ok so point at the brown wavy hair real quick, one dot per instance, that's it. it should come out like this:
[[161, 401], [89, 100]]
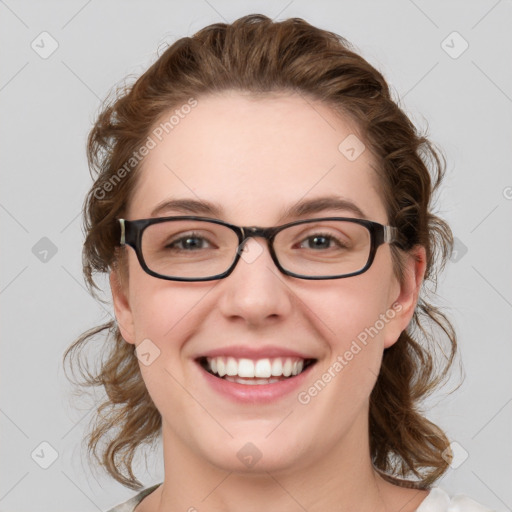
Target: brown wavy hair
[[259, 56]]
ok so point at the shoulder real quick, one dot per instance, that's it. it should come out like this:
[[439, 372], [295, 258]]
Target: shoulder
[[438, 500], [129, 506]]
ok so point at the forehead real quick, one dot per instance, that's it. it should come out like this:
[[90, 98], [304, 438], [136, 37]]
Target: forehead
[[255, 155]]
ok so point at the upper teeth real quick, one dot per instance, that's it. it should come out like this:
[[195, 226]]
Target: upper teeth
[[261, 368]]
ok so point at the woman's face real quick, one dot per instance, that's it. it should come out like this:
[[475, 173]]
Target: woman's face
[[255, 159]]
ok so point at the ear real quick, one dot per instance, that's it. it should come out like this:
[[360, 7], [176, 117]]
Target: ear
[[405, 302], [122, 307]]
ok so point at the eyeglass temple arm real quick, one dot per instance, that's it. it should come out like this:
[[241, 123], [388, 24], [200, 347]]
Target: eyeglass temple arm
[[390, 234], [123, 231]]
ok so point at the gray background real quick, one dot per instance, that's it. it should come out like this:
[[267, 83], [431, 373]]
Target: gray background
[[47, 108]]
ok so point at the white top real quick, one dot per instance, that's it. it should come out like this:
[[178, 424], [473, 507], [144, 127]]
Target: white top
[[437, 500]]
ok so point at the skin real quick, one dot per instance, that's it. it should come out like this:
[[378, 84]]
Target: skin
[[253, 156]]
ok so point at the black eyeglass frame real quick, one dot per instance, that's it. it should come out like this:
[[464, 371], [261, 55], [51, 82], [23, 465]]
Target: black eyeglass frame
[[132, 231]]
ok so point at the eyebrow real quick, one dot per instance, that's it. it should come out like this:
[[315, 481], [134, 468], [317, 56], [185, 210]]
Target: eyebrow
[[300, 209]]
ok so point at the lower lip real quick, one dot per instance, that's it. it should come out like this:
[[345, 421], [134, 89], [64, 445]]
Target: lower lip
[[258, 393]]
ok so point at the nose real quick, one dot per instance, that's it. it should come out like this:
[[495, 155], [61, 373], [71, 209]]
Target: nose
[[255, 292]]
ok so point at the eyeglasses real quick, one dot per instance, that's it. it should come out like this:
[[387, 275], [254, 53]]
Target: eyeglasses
[[189, 248]]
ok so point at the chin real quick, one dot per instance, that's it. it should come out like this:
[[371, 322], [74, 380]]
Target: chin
[[255, 454]]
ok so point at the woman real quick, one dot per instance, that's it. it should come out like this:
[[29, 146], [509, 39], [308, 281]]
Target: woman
[[262, 208]]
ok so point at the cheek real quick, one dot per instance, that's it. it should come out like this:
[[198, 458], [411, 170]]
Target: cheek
[[169, 314], [353, 316], [350, 307], [157, 306], [163, 311]]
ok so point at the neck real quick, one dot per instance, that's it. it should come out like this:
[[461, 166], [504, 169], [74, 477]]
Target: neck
[[339, 479]]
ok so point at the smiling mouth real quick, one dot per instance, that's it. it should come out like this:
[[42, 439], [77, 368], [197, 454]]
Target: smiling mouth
[[255, 372]]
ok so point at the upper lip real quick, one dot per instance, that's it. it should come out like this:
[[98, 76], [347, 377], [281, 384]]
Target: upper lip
[[255, 353]]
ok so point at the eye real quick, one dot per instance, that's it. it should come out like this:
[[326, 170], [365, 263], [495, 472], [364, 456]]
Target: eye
[[321, 241], [190, 242]]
